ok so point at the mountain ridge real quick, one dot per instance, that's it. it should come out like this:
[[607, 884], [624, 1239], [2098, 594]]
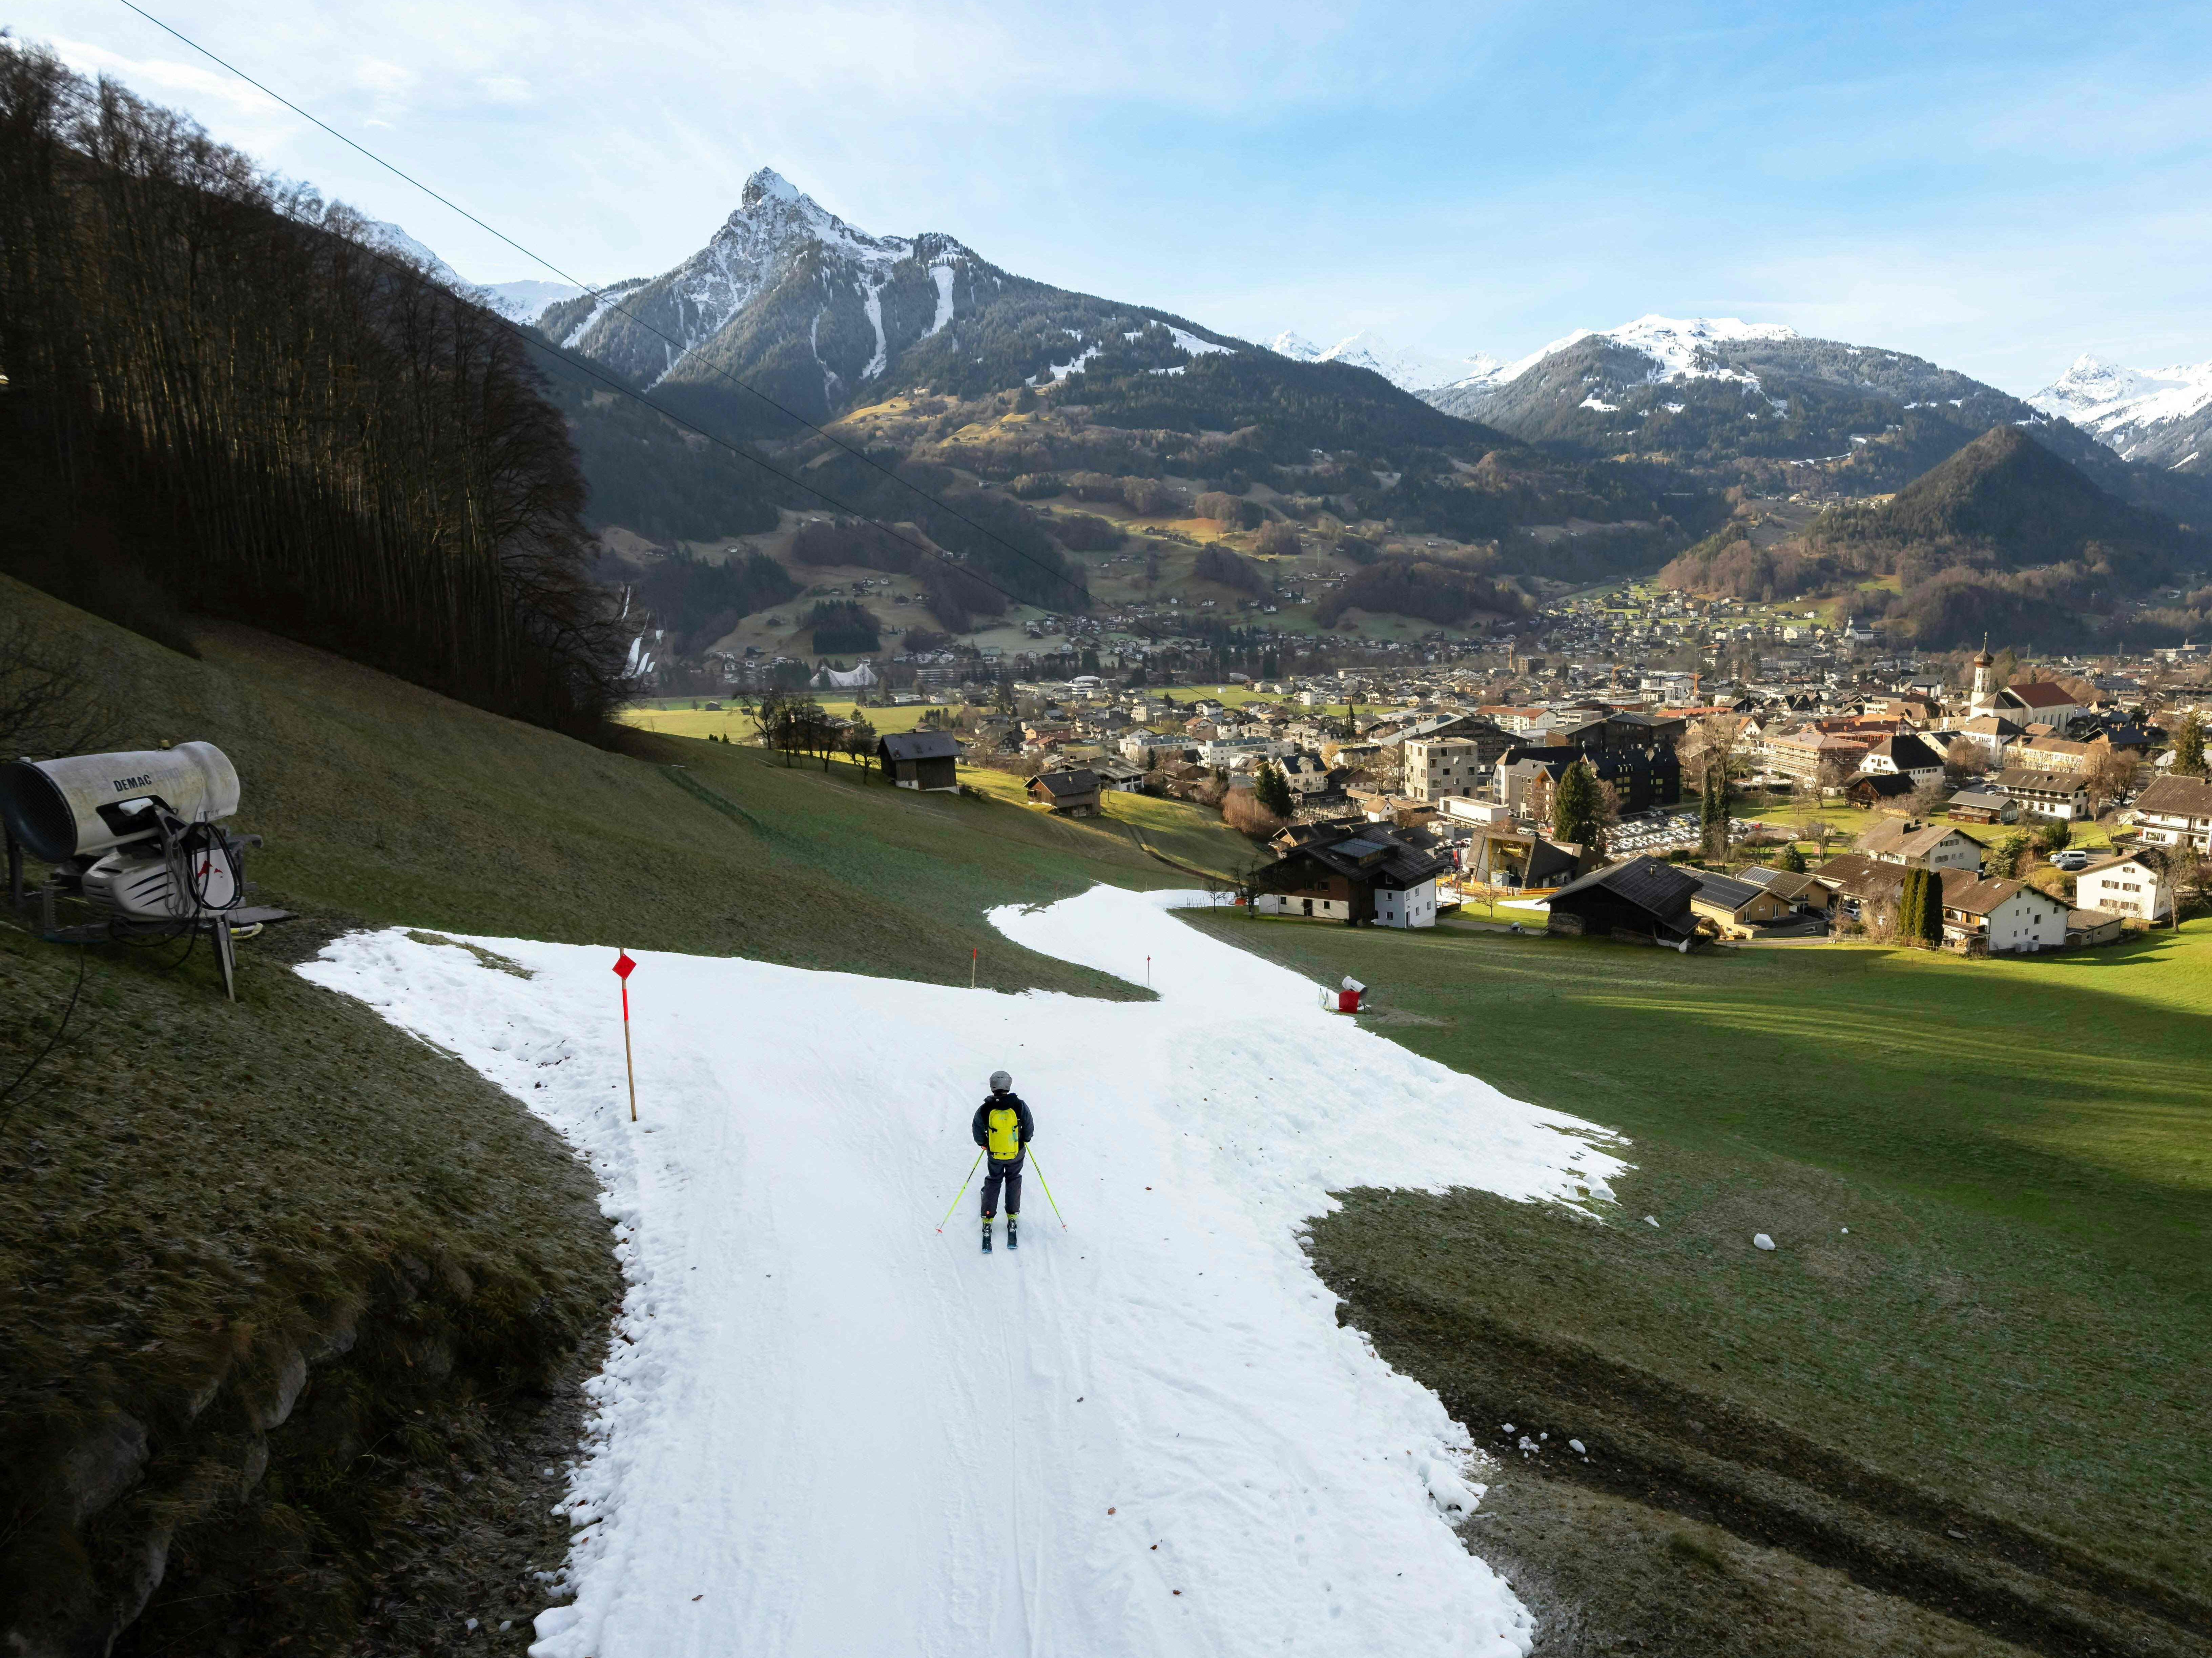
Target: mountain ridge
[[2157, 417]]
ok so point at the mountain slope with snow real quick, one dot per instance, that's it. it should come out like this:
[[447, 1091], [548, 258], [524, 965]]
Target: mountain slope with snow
[[2157, 417], [1724, 395], [828, 1427], [819, 315], [1408, 369]]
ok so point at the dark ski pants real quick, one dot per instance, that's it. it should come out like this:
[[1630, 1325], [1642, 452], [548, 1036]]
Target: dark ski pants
[[1009, 1173]]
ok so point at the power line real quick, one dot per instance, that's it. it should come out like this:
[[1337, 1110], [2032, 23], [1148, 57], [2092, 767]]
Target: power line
[[599, 294]]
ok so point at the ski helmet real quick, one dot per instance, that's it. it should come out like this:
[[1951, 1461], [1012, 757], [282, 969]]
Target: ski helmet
[[1000, 1082]]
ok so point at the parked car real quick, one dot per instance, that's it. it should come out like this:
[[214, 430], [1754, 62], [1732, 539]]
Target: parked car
[[2072, 858]]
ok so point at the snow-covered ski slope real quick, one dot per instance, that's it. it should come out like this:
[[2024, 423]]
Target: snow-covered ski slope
[[827, 1429]]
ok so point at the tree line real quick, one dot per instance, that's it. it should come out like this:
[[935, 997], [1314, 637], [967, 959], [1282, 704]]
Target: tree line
[[226, 385]]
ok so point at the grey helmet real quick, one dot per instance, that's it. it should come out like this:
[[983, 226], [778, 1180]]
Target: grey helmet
[[1000, 1082]]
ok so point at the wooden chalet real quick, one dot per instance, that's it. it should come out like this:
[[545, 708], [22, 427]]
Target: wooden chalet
[[1072, 793], [1358, 873], [920, 760]]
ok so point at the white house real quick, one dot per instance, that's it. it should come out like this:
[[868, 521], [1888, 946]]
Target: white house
[[2176, 812], [2010, 917], [1909, 841], [1903, 755], [2136, 886], [1305, 773], [1414, 906]]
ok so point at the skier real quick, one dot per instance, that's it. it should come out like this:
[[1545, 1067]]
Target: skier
[[1004, 1129]]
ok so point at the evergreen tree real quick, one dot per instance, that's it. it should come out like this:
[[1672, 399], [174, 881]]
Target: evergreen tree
[[1576, 807], [1912, 898], [1273, 789], [1791, 859], [1931, 909], [2189, 746], [2004, 859]]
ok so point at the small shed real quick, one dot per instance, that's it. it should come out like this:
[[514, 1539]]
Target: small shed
[[1073, 794], [1983, 805], [920, 760]]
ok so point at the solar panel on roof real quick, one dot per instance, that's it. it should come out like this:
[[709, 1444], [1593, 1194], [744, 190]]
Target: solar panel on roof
[[1360, 847]]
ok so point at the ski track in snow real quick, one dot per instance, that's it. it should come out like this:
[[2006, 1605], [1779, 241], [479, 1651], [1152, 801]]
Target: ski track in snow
[[832, 1430]]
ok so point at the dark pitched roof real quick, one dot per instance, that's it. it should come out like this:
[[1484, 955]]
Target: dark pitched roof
[[1374, 853], [1907, 752], [1644, 881], [2042, 694], [1726, 892], [1058, 783], [919, 745], [1882, 785]]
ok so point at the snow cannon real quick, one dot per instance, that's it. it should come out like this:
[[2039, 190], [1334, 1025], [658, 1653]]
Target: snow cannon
[[132, 832], [1348, 995], [64, 809]]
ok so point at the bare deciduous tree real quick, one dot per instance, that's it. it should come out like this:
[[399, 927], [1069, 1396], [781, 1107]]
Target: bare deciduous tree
[[51, 702]]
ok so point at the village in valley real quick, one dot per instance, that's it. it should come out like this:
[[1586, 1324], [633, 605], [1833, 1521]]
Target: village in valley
[[1636, 763]]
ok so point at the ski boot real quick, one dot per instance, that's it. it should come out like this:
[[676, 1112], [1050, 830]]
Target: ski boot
[[986, 1235], [1013, 1235]]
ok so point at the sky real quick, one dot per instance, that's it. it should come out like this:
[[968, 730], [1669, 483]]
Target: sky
[[1997, 187]]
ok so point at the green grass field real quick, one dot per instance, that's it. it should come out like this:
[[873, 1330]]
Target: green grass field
[[381, 802], [2019, 1316]]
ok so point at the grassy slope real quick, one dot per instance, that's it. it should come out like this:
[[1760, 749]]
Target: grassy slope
[[221, 1178], [385, 803], [2022, 1151]]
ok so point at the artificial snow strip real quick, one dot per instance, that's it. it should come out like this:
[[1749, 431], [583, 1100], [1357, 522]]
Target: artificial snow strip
[[831, 1430]]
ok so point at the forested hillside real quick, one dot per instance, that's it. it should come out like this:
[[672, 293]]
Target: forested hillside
[[221, 397], [2003, 538]]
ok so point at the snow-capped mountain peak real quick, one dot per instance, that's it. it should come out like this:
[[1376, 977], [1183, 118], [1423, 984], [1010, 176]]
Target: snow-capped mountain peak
[[768, 182], [2155, 415], [1674, 344], [1409, 369], [393, 239]]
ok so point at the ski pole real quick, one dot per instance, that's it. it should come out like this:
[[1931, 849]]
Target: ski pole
[[1048, 1197], [963, 1193]]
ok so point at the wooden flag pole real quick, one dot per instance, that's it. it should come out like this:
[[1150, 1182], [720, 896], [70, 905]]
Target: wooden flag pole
[[623, 968]]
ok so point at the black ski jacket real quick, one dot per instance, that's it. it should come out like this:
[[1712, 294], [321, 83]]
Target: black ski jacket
[[1026, 1126]]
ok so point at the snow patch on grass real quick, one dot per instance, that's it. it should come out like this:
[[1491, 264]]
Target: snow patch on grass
[[1027, 1427]]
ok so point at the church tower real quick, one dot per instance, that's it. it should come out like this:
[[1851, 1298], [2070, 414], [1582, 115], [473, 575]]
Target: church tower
[[1984, 699]]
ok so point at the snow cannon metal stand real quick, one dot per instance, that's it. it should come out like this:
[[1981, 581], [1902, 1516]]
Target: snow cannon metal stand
[[134, 844]]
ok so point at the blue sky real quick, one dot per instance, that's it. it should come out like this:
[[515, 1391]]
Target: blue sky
[[1996, 187]]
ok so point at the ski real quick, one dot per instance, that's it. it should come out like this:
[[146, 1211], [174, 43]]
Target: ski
[[1013, 1237]]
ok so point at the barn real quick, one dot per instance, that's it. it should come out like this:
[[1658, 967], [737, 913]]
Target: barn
[[1639, 897], [920, 760]]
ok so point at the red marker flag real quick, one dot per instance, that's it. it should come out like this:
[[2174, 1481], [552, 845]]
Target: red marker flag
[[623, 968]]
